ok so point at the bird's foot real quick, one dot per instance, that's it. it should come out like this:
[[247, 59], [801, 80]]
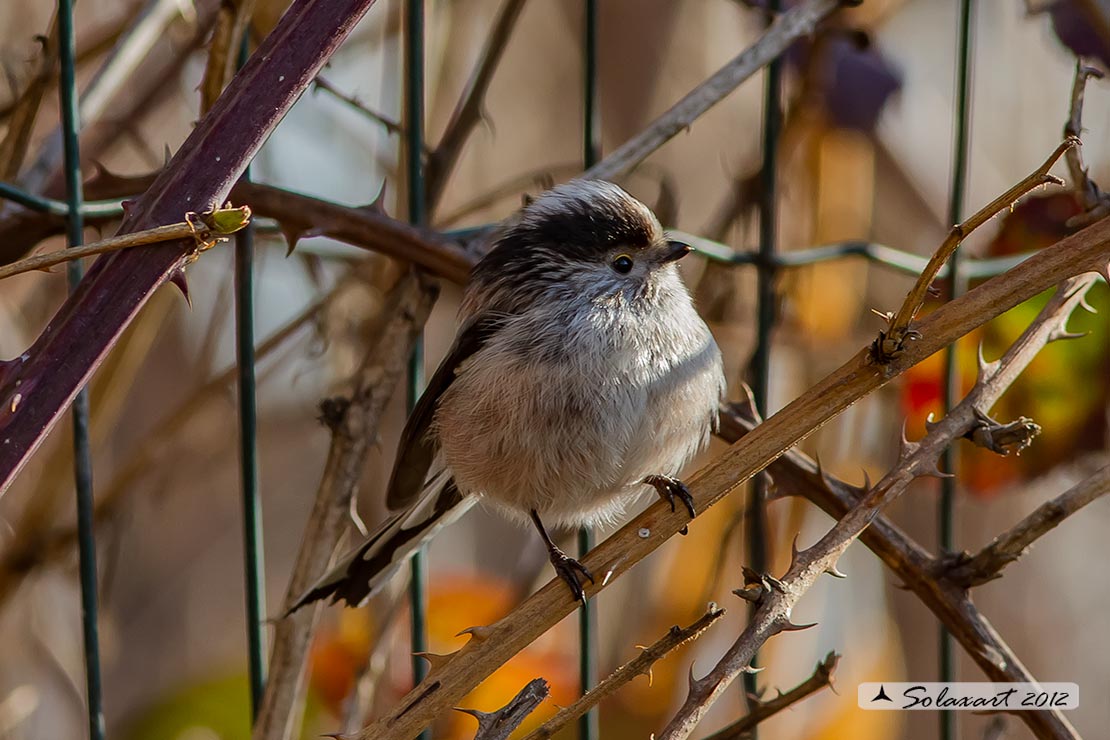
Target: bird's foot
[[569, 570], [669, 489]]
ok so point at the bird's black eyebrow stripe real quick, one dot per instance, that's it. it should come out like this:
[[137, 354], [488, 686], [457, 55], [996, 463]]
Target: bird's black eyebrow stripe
[[582, 229]]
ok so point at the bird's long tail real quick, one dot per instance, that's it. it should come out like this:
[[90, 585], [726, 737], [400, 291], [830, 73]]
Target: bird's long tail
[[363, 571]]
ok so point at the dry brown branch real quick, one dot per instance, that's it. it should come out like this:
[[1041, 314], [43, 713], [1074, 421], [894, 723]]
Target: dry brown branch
[[299, 215], [353, 423], [1086, 251], [799, 21], [500, 724], [207, 228], [367, 227], [822, 677], [641, 665], [775, 598], [987, 564], [892, 340], [468, 111], [796, 474], [231, 22], [1095, 204]]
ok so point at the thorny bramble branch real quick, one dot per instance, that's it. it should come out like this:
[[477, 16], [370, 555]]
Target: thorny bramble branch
[[638, 666], [500, 724], [892, 340], [987, 564], [764, 710]]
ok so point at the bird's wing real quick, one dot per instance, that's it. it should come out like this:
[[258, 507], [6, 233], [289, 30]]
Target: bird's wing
[[364, 570], [417, 450]]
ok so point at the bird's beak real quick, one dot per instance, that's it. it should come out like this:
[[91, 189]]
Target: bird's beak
[[676, 251]]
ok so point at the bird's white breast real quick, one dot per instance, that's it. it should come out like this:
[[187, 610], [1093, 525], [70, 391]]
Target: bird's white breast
[[570, 406]]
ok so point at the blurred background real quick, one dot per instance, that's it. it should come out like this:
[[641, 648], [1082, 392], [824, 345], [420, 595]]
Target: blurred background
[[865, 154]]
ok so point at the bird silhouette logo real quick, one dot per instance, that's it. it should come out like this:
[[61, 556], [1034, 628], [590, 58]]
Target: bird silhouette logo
[[881, 696]]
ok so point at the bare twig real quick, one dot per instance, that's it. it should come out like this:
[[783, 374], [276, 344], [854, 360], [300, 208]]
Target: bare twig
[[14, 146], [987, 564], [353, 423], [133, 53], [638, 666], [468, 111], [389, 124], [206, 228], [1086, 251], [231, 22], [892, 340], [822, 677], [799, 21], [1094, 202], [500, 724], [541, 178]]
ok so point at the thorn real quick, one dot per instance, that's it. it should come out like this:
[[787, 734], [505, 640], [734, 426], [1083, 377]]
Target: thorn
[[907, 448], [1087, 306], [102, 175], [791, 627], [178, 279], [1062, 333], [167, 155], [693, 682], [930, 425], [292, 236], [931, 470], [435, 661], [832, 571], [866, 481], [794, 549], [475, 713], [477, 634], [986, 370], [378, 204], [826, 479], [752, 669]]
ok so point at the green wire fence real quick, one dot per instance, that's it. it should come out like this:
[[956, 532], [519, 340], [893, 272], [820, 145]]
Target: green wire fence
[[768, 263]]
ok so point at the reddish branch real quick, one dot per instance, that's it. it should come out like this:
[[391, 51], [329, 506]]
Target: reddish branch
[[198, 178]]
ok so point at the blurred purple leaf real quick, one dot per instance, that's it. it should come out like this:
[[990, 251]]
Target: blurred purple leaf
[[1076, 31]]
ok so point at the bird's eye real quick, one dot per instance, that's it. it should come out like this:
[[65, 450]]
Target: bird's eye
[[622, 264]]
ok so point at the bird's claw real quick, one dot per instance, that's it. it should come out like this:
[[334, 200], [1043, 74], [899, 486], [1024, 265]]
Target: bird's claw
[[669, 489], [569, 569]]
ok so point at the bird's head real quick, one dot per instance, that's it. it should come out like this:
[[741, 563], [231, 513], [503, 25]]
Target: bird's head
[[587, 236]]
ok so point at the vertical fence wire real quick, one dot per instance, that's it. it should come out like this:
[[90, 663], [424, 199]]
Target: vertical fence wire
[[589, 724], [414, 117], [957, 284], [253, 551], [767, 270], [82, 456]]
